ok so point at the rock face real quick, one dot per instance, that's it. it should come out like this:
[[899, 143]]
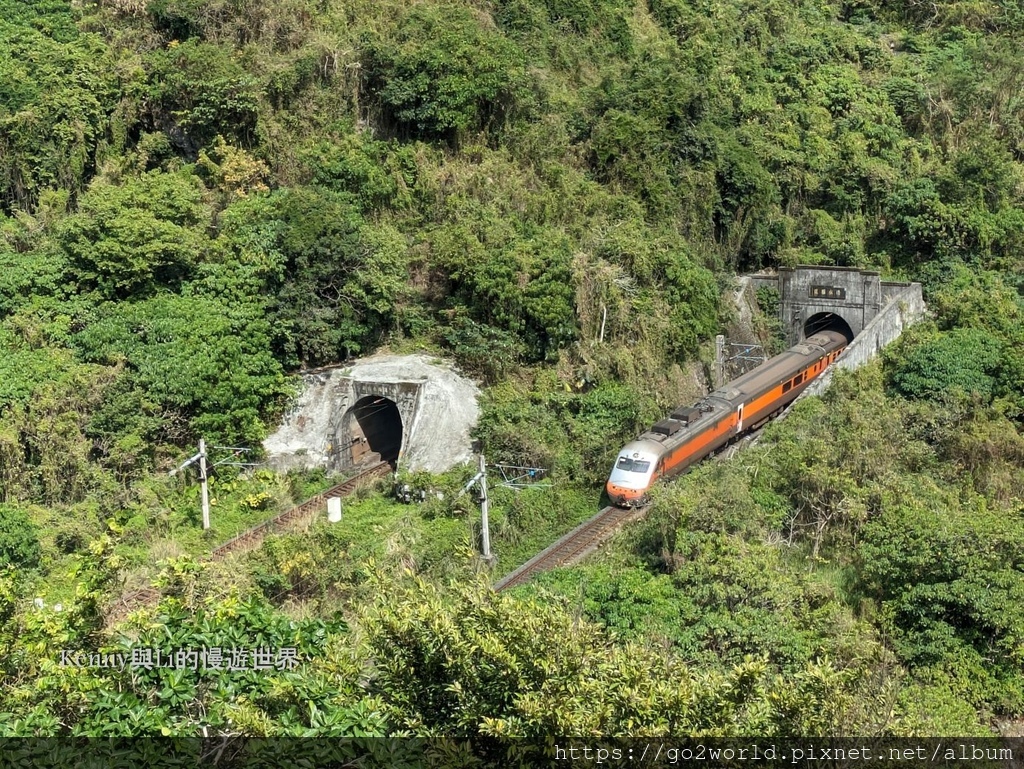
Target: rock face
[[407, 408]]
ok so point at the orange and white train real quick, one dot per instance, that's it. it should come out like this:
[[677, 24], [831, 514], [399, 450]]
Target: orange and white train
[[692, 432]]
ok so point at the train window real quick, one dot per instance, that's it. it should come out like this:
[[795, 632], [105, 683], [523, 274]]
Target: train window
[[787, 386], [798, 379], [633, 465]]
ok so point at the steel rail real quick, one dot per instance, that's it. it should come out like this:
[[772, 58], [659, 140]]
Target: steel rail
[[254, 536], [592, 533], [574, 546], [149, 596]]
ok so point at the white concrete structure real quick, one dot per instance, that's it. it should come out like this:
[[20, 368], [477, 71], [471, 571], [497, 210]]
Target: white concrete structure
[[412, 406], [904, 308]]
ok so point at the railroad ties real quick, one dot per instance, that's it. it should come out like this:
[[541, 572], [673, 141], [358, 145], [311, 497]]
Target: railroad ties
[[574, 546], [252, 538], [589, 535], [248, 540]]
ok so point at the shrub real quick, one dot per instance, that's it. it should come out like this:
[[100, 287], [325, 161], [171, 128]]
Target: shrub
[[445, 73], [19, 543], [958, 363]]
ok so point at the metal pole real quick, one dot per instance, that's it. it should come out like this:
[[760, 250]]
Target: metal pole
[[202, 480], [719, 361], [485, 524]]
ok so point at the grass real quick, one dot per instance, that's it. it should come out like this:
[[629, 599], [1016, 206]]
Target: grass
[[163, 521], [527, 521]]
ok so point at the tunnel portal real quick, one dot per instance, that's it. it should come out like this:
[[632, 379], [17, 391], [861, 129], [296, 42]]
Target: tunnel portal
[[374, 429], [842, 299], [413, 410], [828, 321]]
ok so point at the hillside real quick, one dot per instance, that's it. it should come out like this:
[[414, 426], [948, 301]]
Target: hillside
[[200, 197]]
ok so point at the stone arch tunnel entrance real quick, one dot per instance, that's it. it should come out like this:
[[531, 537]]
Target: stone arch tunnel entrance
[[828, 321], [374, 428]]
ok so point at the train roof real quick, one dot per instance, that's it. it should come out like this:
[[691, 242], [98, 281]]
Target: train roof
[[776, 369], [683, 419], [643, 444]]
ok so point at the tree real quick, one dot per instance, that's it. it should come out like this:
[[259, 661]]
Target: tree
[[951, 590], [334, 279], [129, 240], [201, 358], [19, 541], [954, 365], [468, 662], [444, 74], [59, 102], [200, 92]]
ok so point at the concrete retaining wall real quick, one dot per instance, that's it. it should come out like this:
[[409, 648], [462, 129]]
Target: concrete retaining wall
[[763, 281], [905, 308]]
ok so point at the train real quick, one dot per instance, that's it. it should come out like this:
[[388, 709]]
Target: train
[[691, 433]]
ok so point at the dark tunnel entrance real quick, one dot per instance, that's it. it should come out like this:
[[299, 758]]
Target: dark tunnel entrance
[[827, 321], [375, 429]]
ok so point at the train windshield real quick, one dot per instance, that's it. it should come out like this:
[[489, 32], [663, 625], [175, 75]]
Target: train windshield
[[633, 465]]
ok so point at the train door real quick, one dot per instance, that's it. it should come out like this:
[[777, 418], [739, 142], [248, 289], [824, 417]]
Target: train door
[[739, 419]]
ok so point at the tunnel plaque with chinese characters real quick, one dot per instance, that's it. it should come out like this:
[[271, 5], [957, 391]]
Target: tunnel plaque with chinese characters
[[826, 292]]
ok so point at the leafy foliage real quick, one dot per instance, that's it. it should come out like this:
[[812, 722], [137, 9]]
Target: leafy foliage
[[950, 585], [958, 363], [19, 542], [60, 102], [126, 241], [479, 664], [196, 355], [203, 92], [335, 278], [444, 73]]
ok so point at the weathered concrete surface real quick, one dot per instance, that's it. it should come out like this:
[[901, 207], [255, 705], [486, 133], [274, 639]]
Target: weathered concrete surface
[[805, 292], [864, 296], [438, 409], [904, 308]]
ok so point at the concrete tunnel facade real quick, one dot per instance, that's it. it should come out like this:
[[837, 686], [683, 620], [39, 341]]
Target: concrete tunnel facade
[[409, 410]]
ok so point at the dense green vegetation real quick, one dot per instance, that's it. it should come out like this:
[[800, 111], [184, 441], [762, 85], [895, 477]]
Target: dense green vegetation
[[199, 198]]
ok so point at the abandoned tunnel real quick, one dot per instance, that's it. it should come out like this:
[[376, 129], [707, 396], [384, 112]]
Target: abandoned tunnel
[[374, 428]]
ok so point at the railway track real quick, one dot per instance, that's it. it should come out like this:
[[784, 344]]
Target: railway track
[[566, 551], [589, 535], [252, 538], [574, 546], [149, 596]]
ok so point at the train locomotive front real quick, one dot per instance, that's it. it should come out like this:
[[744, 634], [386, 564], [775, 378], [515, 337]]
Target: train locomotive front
[[693, 432], [636, 469]]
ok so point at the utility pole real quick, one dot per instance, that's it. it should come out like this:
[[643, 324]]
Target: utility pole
[[201, 459], [481, 480], [202, 482], [719, 361], [484, 523]]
